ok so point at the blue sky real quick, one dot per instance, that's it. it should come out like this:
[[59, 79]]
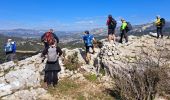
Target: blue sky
[[72, 15]]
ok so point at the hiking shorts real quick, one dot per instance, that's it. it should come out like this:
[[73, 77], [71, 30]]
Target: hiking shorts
[[111, 31], [88, 48]]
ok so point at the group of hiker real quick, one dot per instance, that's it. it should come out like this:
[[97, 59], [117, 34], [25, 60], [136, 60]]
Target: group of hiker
[[52, 51]]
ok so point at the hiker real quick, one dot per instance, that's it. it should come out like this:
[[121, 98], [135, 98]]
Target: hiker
[[88, 41], [49, 37], [160, 22], [52, 67], [10, 50], [123, 30], [111, 23]]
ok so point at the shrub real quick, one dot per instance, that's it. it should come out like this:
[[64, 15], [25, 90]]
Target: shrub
[[147, 77], [71, 62]]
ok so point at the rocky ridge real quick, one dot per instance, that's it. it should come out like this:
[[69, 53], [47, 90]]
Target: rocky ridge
[[25, 77]]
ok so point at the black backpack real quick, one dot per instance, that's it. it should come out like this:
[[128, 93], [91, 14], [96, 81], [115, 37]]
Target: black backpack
[[128, 27], [163, 22], [112, 24]]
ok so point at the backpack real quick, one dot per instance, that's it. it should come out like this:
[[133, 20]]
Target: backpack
[[163, 22], [52, 55], [49, 38], [128, 27], [88, 40], [112, 24], [8, 47]]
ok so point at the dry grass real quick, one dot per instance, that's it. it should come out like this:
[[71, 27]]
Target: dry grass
[[148, 77], [76, 90]]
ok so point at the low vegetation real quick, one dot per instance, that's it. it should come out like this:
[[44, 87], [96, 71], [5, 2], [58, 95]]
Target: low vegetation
[[148, 77], [71, 62], [91, 77]]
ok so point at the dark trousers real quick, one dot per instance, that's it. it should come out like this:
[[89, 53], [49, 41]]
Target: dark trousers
[[10, 57], [159, 32], [51, 77], [123, 35]]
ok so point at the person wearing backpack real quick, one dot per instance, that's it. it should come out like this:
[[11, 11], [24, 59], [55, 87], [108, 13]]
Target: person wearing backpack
[[10, 50], [49, 37], [123, 30], [111, 23], [52, 67], [88, 41], [160, 23]]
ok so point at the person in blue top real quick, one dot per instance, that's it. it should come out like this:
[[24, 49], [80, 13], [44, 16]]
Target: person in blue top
[[10, 50], [88, 41]]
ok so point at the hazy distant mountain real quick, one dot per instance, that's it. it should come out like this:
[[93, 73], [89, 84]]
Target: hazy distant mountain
[[68, 36]]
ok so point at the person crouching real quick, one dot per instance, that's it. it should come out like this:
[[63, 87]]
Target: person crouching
[[52, 67]]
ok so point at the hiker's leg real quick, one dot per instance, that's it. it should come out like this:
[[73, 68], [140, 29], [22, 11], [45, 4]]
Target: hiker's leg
[[55, 78], [110, 36], [88, 57], [45, 80], [113, 35], [126, 36], [10, 57], [93, 49], [161, 32], [157, 30], [121, 37], [49, 77], [87, 54]]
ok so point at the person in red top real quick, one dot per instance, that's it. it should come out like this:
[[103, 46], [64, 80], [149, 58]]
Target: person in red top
[[111, 23]]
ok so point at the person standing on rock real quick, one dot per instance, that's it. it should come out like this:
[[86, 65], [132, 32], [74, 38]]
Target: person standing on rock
[[10, 50], [123, 30], [52, 67], [49, 37], [111, 23], [160, 23], [88, 41]]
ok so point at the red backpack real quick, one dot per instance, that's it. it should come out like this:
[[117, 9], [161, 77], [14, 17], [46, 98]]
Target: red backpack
[[49, 38]]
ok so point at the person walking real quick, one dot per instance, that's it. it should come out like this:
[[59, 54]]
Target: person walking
[[52, 67], [160, 22], [49, 37], [88, 41], [123, 30], [111, 23], [10, 50]]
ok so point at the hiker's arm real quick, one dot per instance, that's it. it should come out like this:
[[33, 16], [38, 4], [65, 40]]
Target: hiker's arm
[[95, 41], [45, 51], [57, 39], [107, 23], [59, 51], [42, 37]]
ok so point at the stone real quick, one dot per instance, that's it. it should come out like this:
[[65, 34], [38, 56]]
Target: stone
[[5, 89]]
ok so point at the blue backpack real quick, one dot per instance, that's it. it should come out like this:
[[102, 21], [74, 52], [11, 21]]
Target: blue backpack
[[10, 47], [88, 39]]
